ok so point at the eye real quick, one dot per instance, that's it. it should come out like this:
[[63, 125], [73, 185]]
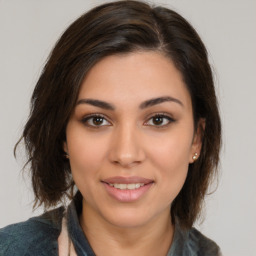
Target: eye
[[160, 120], [95, 121]]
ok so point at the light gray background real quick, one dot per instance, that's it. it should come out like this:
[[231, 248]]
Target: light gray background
[[28, 30]]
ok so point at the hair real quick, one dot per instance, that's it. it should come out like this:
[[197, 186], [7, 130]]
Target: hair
[[119, 27]]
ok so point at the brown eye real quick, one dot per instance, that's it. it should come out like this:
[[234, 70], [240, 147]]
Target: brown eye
[[95, 121], [159, 120]]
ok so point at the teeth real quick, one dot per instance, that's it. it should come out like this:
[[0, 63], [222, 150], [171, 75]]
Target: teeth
[[127, 186]]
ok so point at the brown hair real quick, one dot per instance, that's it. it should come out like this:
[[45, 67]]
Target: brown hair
[[115, 28]]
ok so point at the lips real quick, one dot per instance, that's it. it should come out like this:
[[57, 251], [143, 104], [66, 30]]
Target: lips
[[127, 180], [127, 189]]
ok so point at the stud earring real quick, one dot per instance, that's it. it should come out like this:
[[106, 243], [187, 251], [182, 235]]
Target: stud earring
[[195, 156], [67, 155]]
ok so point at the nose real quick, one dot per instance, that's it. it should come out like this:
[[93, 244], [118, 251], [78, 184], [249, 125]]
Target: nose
[[127, 147]]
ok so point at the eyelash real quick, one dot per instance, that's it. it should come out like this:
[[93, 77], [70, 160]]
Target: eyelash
[[86, 120], [163, 116]]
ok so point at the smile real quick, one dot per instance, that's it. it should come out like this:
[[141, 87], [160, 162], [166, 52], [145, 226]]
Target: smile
[[127, 186], [127, 189]]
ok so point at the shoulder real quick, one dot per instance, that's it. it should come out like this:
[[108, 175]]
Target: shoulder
[[36, 236], [192, 243], [201, 244]]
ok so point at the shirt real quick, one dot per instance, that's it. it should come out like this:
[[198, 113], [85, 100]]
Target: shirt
[[38, 236]]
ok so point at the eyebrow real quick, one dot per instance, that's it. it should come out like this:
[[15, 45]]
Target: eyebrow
[[155, 101], [143, 105], [96, 103]]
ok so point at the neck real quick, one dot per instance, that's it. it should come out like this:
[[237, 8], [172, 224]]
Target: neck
[[151, 238]]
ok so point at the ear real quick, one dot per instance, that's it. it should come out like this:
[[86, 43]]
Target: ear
[[65, 147], [197, 141]]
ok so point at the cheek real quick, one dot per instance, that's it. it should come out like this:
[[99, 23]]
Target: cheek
[[173, 166], [171, 160], [171, 151], [86, 153], [86, 159]]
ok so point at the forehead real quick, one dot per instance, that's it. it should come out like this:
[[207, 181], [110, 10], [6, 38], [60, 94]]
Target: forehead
[[134, 77]]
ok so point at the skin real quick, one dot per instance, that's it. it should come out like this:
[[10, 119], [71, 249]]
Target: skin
[[130, 141]]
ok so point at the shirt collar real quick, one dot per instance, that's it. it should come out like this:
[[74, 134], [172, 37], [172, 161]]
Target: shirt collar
[[83, 247]]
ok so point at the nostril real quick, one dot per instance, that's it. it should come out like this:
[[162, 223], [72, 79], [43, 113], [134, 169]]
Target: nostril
[[126, 164]]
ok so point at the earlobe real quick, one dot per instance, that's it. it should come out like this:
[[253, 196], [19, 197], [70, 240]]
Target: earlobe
[[65, 148], [197, 141], [195, 156]]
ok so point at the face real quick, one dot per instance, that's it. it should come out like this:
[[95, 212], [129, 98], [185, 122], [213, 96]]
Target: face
[[131, 138]]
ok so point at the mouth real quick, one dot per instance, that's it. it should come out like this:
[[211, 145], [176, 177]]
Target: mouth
[[127, 189], [126, 186]]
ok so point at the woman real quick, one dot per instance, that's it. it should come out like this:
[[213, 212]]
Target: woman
[[124, 121]]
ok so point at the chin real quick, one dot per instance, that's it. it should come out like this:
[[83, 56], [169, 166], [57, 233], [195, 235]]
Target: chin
[[128, 218], [127, 221]]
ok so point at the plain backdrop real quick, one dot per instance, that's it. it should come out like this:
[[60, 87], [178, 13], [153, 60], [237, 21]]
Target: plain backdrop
[[29, 29]]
